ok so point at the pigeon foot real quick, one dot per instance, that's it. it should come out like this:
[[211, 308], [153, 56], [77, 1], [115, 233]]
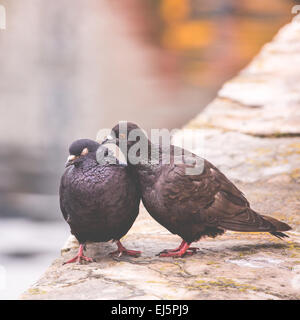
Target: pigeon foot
[[79, 257], [181, 251], [123, 251]]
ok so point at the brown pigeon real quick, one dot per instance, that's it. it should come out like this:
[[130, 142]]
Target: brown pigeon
[[191, 206]]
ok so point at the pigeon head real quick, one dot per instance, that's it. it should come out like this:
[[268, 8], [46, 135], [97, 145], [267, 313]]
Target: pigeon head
[[127, 132], [79, 149], [123, 129]]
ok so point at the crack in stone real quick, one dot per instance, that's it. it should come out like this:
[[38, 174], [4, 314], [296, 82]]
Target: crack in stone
[[135, 292]]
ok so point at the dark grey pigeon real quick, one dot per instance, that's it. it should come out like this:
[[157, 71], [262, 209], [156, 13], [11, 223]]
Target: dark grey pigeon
[[191, 206], [99, 201]]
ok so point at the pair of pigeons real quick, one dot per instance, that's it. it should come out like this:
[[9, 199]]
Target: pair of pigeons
[[100, 200]]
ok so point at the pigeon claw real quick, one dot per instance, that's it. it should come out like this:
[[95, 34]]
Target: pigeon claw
[[179, 252], [123, 251], [79, 257], [173, 254], [126, 252]]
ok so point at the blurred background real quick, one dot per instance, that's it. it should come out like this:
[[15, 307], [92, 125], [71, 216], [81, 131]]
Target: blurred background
[[71, 67]]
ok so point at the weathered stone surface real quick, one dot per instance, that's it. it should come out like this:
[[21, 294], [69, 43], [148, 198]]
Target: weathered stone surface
[[264, 98], [236, 266]]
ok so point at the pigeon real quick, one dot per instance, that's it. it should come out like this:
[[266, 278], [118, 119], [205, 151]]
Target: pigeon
[[189, 205], [99, 200]]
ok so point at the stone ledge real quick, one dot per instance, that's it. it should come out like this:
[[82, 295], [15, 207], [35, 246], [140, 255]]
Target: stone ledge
[[234, 266]]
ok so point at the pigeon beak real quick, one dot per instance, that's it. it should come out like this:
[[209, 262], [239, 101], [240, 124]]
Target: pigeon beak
[[107, 138], [123, 164], [70, 160]]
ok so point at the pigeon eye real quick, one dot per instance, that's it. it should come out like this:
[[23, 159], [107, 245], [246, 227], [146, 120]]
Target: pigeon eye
[[84, 151]]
